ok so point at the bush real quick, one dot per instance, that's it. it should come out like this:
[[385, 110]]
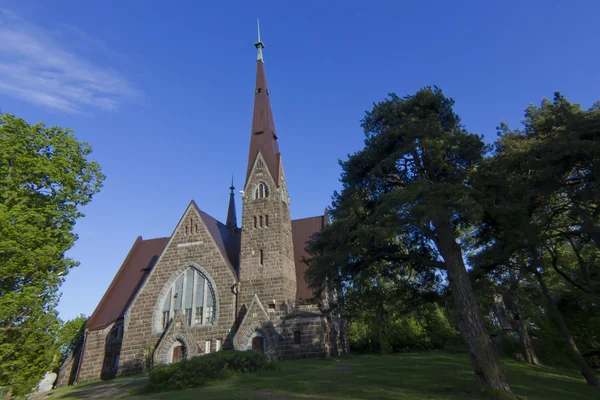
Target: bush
[[198, 371], [426, 327]]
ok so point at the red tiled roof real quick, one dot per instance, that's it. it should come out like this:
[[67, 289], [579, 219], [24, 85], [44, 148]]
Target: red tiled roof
[[302, 231], [125, 284]]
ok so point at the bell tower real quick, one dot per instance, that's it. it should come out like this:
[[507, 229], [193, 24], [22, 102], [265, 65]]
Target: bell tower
[[266, 256]]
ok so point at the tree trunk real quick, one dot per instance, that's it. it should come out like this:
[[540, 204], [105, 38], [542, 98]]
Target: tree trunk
[[516, 310], [587, 372], [528, 350], [484, 359]]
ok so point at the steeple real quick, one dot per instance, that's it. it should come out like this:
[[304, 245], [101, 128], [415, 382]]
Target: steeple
[[262, 137], [231, 218]]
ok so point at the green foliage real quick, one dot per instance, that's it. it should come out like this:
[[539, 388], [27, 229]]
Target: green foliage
[[70, 337], [406, 201], [424, 327], [198, 371], [45, 177]]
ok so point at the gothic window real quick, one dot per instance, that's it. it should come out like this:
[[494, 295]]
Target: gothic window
[[266, 220], [261, 257], [261, 221], [255, 223], [260, 165], [192, 296], [261, 191]]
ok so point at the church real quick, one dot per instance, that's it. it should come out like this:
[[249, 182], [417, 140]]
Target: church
[[212, 286]]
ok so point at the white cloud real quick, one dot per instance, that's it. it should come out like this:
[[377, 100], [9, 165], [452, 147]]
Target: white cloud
[[36, 67]]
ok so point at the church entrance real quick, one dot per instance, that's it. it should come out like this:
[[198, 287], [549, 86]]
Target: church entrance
[[178, 353], [258, 344]]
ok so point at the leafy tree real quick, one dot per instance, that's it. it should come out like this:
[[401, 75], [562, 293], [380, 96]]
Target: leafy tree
[[45, 177], [405, 202], [70, 337]]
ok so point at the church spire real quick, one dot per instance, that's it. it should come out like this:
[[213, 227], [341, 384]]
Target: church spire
[[262, 137], [231, 217]]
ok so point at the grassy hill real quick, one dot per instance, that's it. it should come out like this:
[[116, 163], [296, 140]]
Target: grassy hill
[[435, 375]]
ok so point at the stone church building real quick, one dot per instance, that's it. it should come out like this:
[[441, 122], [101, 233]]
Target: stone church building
[[212, 286]]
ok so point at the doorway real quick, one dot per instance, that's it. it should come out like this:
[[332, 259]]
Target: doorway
[[178, 353], [258, 344]]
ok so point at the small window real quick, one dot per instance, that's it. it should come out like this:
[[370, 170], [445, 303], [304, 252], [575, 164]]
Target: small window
[[188, 316], [261, 191], [255, 223], [207, 347], [217, 345], [259, 90], [262, 257], [271, 306], [186, 230], [165, 319], [266, 220], [198, 319], [297, 337], [261, 220]]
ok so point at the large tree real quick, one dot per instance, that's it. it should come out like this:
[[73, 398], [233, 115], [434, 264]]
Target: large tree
[[541, 190], [45, 178], [406, 200]]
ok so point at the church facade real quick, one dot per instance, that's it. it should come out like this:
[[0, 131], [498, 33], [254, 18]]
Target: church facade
[[212, 286]]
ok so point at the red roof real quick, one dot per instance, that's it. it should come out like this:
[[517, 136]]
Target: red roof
[[125, 284], [302, 231]]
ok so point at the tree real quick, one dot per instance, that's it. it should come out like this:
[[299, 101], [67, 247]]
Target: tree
[[45, 178], [541, 188], [70, 337], [406, 200]]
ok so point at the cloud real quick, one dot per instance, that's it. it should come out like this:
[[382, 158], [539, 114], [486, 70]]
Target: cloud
[[38, 68]]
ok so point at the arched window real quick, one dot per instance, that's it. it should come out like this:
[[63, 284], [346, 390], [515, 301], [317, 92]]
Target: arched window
[[261, 191], [191, 295]]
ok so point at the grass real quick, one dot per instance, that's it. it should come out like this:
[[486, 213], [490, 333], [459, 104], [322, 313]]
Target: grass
[[434, 375]]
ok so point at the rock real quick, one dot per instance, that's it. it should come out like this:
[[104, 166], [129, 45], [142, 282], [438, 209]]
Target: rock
[[47, 382]]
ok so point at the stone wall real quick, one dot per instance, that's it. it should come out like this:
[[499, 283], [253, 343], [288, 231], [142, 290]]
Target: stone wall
[[313, 334], [194, 248], [68, 371], [94, 352]]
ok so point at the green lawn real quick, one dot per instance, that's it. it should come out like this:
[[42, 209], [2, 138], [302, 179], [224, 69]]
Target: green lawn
[[435, 375]]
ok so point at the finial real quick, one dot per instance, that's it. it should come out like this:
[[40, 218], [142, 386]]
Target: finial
[[231, 187], [259, 45]]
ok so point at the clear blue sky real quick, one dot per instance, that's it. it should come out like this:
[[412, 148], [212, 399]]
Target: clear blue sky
[[163, 91]]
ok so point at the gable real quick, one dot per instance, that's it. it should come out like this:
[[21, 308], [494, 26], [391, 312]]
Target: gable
[[124, 286], [226, 238]]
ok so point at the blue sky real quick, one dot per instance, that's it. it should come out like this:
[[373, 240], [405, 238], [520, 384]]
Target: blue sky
[[163, 92]]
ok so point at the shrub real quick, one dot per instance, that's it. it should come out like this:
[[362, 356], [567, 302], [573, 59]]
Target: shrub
[[198, 371]]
